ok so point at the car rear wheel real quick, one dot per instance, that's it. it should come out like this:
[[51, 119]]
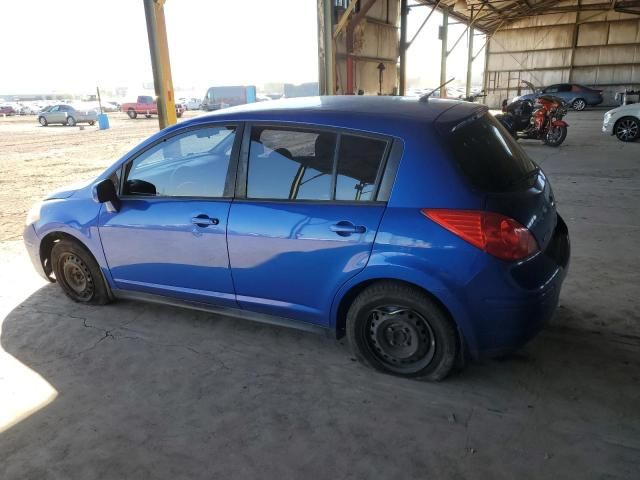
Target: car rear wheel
[[43, 121], [71, 121], [399, 329], [132, 113], [78, 273], [92, 123], [579, 104], [627, 129]]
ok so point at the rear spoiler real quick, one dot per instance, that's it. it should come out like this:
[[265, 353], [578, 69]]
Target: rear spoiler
[[459, 115]]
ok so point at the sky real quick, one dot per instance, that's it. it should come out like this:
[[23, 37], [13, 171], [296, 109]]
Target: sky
[[74, 45]]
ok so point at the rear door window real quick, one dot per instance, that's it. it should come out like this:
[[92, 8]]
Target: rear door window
[[290, 164], [359, 161], [488, 156], [301, 164]]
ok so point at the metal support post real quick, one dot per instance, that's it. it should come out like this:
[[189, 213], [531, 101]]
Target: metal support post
[[325, 48], [404, 11], [444, 52], [469, 62], [159, 49]]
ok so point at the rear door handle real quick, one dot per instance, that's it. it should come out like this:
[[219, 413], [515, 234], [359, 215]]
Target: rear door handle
[[345, 228], [203, 220]]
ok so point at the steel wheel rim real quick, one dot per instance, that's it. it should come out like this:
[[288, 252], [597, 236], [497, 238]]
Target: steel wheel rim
[[627, 129], [77, 277], [400, 338]]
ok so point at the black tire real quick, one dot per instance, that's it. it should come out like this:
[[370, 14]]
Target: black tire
[[78, 274], [627, 129], [178, 114], [92, 123], [579, 104], [147, 116], [132, 113], [400, 330], [71, 121], [43, 121], [555, 136]]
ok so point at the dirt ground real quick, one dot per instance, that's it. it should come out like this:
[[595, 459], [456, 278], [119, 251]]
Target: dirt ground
[[36, 160], [133, 390]]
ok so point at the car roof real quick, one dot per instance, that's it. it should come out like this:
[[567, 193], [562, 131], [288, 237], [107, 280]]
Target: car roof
[[355, 111]]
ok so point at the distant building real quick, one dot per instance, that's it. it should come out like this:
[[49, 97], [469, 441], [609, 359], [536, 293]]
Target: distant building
[[309, 89]]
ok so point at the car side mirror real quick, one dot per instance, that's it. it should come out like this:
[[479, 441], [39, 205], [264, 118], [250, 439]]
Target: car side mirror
[[105, 192]]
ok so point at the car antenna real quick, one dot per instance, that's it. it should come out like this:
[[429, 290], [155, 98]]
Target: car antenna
[[425, 98]]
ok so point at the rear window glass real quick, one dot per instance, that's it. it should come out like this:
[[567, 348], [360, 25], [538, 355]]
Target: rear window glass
[[359, 160], [489, 157]]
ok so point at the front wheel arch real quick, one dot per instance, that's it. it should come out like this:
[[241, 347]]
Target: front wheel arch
[[46, 246], [626, 117]]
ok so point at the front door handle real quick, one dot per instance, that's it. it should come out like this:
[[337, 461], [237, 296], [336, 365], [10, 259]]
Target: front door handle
[[345, 228], [203, 220]]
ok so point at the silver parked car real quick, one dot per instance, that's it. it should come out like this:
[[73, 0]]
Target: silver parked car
[[66, 115]]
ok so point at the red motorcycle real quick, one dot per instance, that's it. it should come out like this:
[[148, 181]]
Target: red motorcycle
[[540, 121]]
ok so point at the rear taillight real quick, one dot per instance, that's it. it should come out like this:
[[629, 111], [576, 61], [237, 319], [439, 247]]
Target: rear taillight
[[496, 234]]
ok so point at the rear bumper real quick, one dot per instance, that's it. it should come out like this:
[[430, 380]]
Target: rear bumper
[[524, 302], [514, 322]]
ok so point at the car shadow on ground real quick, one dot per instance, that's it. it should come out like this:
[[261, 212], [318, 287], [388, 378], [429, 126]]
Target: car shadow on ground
[[147, 391]]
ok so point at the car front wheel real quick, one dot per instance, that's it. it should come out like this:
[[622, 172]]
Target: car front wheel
[[627, 129], [398, 329], [78, 273], [43, 121]]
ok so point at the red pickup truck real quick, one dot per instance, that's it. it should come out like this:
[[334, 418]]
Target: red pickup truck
[[146, 105]]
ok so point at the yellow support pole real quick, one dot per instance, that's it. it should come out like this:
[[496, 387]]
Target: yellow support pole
[[160, 64]]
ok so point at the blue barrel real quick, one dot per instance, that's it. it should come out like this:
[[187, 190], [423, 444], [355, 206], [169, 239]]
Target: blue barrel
[[103, 121], [250, 94]]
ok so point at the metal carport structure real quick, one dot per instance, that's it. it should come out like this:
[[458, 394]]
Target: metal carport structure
[[591, 42]]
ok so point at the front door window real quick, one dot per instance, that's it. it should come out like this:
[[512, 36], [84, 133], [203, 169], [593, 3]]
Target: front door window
[[193, 164]]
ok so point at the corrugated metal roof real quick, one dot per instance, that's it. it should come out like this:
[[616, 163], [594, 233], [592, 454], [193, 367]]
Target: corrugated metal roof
[[489, 15]]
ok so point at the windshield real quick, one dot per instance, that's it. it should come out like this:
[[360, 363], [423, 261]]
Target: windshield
[[488, 156]]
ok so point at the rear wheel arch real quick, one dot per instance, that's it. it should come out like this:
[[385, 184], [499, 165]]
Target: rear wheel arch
[[579, 104], [430, 355], [351, 294]]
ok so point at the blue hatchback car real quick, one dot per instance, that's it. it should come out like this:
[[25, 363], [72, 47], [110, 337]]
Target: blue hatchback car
[[421, 230]]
